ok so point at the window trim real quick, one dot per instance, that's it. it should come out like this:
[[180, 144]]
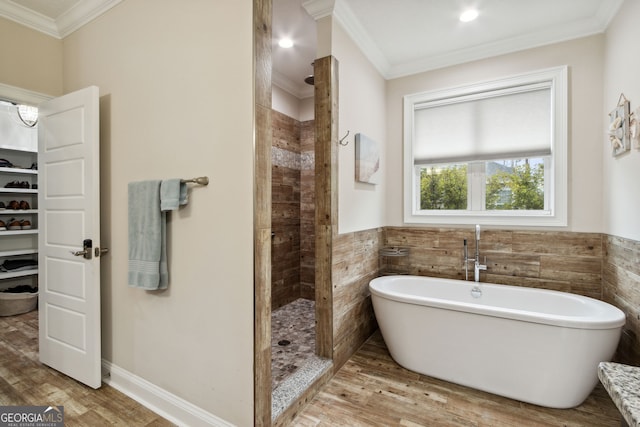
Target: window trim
[[558, 185]]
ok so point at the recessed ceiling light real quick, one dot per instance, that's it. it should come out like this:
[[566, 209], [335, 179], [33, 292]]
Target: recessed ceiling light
[[285, 43], [469, 15]]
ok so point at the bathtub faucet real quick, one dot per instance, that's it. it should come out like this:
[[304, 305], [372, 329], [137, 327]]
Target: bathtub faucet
[[476, 270], [477, 267]]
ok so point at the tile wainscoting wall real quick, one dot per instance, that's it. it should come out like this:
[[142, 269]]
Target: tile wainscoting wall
[[354, 264], [561, 261], [292, 215], [621, 287], [590, 264]]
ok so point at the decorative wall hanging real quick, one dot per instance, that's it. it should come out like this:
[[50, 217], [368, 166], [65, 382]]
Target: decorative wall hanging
[[367, 160], [619, 127], [634, 128]]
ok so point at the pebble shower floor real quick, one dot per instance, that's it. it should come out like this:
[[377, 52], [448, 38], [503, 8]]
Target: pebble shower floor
[[293, 338]]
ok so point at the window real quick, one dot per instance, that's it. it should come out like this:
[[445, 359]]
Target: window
[[492, 152]]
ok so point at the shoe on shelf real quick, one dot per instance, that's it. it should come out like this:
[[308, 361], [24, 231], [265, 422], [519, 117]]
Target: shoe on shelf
[[14, 224], [2, 206], [15, 205], [12, 184], [4, 163], [25, 184], [24, 205], [3, 226], [25, 224]]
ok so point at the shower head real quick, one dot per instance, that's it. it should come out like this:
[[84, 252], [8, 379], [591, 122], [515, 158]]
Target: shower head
[[309, 79]]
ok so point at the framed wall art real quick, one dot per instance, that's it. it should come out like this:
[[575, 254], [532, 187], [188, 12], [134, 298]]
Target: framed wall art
[[619, 127], [367, 160]]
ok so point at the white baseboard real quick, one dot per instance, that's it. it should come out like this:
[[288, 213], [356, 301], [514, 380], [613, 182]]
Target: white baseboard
[[160, 401]]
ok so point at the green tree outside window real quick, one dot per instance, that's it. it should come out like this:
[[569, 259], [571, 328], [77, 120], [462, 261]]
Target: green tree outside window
[[510, 185], [516, 188], [444, 188]]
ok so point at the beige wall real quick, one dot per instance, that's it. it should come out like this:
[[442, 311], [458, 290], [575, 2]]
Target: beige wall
[[584, 58], [362, 110], [30, 59], [175, 82], [621, 174], [284, 102]]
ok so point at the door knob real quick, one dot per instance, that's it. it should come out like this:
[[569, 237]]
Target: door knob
[[83, 253], [86, 251], [100, 251]]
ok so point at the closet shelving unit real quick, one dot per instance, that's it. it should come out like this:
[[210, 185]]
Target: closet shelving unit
[[18, 244]]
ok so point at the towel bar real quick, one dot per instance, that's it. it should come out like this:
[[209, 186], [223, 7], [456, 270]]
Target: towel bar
[[201, 180]]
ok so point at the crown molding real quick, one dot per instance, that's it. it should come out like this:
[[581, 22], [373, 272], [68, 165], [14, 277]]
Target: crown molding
[[28, 18], [82, 13], [348, 20], [546, 36], [319, 8], [22, 96], [606, 14], [352, 26]]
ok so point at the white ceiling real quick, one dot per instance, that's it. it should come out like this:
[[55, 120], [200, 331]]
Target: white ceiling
[[400, 37], [403, 37]]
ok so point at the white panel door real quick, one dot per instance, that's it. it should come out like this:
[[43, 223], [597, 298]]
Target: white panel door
[[68, 215]]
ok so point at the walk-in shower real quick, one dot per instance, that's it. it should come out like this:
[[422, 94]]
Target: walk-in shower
[[292, 245]]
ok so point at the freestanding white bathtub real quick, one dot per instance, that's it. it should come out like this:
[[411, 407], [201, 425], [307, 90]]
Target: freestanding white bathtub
[[533, 345]]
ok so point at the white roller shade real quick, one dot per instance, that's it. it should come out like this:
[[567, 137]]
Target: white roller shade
[[502, 124]]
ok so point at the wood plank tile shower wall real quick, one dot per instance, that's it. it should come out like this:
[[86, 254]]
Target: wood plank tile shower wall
[[292, 219]]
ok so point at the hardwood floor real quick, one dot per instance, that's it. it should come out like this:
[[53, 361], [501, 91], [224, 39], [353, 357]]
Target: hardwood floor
[[369, 390], [25, 381], [372, 390]]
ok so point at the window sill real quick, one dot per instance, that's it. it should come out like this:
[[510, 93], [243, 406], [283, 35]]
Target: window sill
[[526, 218]]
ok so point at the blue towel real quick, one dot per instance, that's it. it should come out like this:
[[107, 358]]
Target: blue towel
[[147, 237], [173, 194], [148, 203]]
